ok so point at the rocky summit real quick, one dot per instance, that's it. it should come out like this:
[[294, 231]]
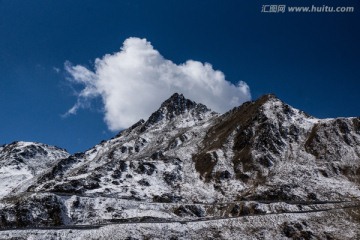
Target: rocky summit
[[263, 170]]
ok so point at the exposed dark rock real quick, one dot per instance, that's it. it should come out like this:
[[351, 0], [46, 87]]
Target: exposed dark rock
[[278, 193], [312, 196], [296, 231], [123, 149], [205, 163], [157, 155], [145, 168], [116, 174], [172, 178], [235, 211], [167, 198], [144, 182], [45, 210], [190, 210]]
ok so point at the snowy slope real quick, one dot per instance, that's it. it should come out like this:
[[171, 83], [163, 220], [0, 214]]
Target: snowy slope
[[263, 150], [187, 163], [21, 162], [151, 161]]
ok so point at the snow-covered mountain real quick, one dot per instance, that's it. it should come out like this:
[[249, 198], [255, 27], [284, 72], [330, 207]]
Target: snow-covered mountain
[[22, 162], [190, 166]]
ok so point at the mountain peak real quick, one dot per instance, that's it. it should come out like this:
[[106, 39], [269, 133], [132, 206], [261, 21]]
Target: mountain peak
[[188, 164], [176, 96], [25, 148], [174, 106], [267, 98], [178, 104], [270, 105]]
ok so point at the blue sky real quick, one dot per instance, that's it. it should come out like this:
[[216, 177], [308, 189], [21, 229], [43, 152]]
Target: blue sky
[[309, 60]]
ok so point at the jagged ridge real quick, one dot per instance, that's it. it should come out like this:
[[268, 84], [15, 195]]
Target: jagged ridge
[[184, 154]]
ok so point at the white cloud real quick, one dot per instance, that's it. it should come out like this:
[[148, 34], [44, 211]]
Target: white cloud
[[136, 80], [57, 70]]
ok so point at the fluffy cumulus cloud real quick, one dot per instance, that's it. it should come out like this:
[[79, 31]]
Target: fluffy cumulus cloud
[[136, 80]]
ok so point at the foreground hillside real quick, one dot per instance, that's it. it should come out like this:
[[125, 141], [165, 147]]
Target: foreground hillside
[[263, 170]]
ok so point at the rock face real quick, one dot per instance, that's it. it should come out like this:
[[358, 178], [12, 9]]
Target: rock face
[[263, 161]]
